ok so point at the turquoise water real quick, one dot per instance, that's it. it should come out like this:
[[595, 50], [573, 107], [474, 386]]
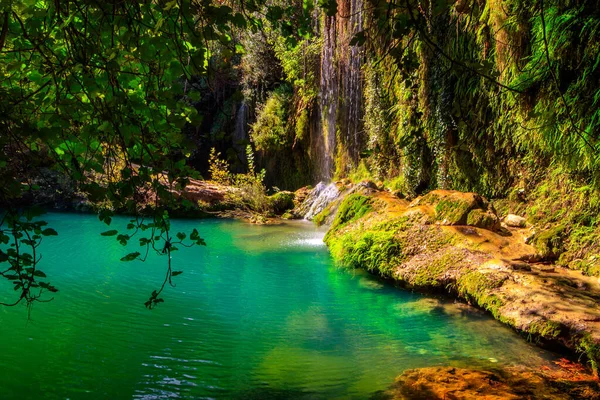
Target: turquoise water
[[259, 313]]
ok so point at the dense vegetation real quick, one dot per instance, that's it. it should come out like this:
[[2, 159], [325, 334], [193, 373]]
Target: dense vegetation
[[120, 103]]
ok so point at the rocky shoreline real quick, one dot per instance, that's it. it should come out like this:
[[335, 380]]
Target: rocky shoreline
[[454, 243]]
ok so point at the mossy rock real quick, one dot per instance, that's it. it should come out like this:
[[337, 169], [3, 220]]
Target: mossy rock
[[591, 348], [288, 215], [483, 219], [324, 215], [353, 207], [476, 287], [453, 208], [549, 243], [281, 202], [587, 267], [546, 329]]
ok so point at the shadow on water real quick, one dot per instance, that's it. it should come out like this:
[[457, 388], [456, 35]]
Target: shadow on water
[[267, 393]]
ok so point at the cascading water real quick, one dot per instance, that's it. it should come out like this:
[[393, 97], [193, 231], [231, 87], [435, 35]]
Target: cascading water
[[329, 97], [319, 198], [340, 97], [353, 89], [240, 134]]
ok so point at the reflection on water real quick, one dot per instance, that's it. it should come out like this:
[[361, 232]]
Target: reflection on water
[[259, 313]]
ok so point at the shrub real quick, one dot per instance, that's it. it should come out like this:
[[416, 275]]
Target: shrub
[[269, 132]]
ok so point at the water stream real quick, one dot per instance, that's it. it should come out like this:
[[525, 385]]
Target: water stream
[[259, 313]]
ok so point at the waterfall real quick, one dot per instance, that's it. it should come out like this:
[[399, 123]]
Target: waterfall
[[328, 98], [353, 89], [340, 97], [319, 198], [240, 133]]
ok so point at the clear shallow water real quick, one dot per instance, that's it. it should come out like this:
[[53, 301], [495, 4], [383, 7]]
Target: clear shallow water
[[259, 313]]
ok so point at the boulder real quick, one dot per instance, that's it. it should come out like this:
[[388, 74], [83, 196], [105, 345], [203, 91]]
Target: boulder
[[282, 201], [457, 208], [515, 221], [483, 219]]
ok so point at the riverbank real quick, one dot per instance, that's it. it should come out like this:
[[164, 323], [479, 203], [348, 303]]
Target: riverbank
[[453, 243]]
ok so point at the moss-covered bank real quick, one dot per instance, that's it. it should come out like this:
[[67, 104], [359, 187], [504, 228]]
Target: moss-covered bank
[[435, 244]]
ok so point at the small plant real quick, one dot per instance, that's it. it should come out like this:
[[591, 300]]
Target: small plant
[[218, 168], [251, 192]]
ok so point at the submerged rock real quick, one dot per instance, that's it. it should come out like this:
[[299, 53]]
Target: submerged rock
[[439, 383]]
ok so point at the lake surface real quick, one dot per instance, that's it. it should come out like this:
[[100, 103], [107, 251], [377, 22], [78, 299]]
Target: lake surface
[[259, 313]]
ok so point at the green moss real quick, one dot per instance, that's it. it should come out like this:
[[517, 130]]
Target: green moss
[[287, 215], [321, 217], [549, 243], [453, 211], [378, 252], [360, 173], [432, 273], [546, 329], [352, 208], [476, 287], [482, 219], [588, 346], [396, 184], [281, 202], [302, 126], [587, 267]]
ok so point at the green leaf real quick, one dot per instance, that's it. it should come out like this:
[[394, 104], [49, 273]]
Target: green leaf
[[123, 239], [112, 232], [39, 274], [181, 235], [131, 256], [175, 273], [33, 212], [49, 232], [105, 215]]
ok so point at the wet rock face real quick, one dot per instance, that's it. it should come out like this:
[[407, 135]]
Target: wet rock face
[[317, 200]]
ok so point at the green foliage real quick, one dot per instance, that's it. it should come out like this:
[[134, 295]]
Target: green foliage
[[591, 349], [281, 202], [20, 236], [99, 92], [270, 131], [375, 251], [250, 192], [549, 243], [218, 168], [360, 173], [301, 67], [302, 126], [515, 87]]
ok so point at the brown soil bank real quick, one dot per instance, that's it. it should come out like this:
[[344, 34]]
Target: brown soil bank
[[452, 242]]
